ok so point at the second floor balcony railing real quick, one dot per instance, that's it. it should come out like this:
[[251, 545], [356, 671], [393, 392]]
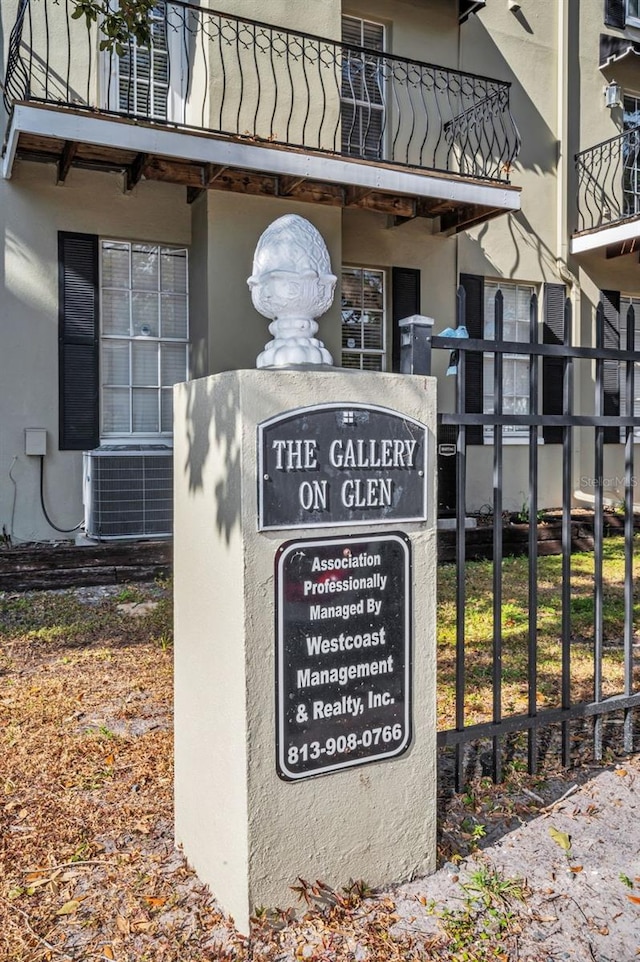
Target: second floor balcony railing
[[245, 79], [608, 177]]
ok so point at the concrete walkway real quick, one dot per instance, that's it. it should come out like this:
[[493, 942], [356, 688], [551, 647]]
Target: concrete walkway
[[584, 900]]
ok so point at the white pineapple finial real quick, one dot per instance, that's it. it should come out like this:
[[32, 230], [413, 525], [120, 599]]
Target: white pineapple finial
[[292, 284]]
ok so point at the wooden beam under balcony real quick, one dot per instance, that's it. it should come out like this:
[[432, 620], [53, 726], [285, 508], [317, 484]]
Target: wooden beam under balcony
[[153, 152], [287, 185], [210, 173], [629, 246], [135, 170], [463, 217], [69, 151]]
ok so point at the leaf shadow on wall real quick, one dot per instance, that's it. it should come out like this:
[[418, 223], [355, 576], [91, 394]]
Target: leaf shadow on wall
[[215, 407]]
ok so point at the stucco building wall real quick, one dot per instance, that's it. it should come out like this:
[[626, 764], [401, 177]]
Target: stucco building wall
[[32, 211], [549, 53]]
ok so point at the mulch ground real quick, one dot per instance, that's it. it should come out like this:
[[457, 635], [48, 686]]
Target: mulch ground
[[88, 868]]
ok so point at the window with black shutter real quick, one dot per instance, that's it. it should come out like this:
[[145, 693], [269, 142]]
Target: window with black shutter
[[364, 300], [78, 342], [364, 325], [479, 304], [144, 337]]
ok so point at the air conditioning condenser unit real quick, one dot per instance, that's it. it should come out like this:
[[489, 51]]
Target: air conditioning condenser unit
[[128, 491]]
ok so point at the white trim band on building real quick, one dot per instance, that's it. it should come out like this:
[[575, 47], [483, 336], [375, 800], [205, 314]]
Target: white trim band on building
[[605, 236], [187, 145]]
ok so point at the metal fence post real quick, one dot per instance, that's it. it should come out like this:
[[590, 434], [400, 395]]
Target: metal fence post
[[415, 344]]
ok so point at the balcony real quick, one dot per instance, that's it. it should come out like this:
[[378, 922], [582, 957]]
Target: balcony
[[220, 102], [608, 205]]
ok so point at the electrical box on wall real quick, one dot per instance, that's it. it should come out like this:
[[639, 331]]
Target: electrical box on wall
[[35, 441]]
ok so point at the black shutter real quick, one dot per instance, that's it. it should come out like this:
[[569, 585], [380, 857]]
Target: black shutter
[[78, 344], [553, 367], [405, 301], [610, 369], [614, 13], [473, 285]]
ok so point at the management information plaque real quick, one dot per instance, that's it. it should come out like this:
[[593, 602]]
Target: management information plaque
[[343, 681]]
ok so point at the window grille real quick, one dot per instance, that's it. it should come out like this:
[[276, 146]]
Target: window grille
[[143, 72], [363, 90], [363, 319], [515, 367], [144, 336]]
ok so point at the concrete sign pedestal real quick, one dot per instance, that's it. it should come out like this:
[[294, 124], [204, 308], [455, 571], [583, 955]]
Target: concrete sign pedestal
[[305, 727]]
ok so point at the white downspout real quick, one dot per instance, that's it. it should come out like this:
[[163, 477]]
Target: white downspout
[[562, 201]]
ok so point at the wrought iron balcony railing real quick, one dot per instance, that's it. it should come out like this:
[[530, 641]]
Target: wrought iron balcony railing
[[241, 78], [608, 178]]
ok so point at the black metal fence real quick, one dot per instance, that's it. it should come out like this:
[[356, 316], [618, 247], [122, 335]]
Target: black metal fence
[[608, 177], [608, 362], [244, 78]]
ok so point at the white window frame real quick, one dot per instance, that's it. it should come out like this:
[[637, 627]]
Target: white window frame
[[635, 168], [131, 338], [632, 19], [511, 434], [176, 96], [363, 105], [625, 301], [362, 351]]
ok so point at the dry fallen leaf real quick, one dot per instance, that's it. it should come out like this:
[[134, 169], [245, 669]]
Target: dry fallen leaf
[[560, 838], [634, 898], [69, 907], [107, 951], [621, 772], [153, 901], [36, 883], [575, 868], [122, 925]]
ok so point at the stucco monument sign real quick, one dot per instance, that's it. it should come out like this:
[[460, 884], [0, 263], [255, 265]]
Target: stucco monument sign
[[304, 578]]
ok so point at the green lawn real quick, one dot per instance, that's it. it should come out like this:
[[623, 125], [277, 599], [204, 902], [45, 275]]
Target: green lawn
[[515, 618]]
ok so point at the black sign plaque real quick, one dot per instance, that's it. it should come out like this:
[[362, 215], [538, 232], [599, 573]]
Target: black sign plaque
[[343, 675], [341, 464]]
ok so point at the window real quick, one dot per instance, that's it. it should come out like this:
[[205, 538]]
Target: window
[[625, 303], [633, 12], [363, 319], [621, 13], [149, 81], [144, 336], [515, 367], [631, 155], [143, 72], [363, 93]]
